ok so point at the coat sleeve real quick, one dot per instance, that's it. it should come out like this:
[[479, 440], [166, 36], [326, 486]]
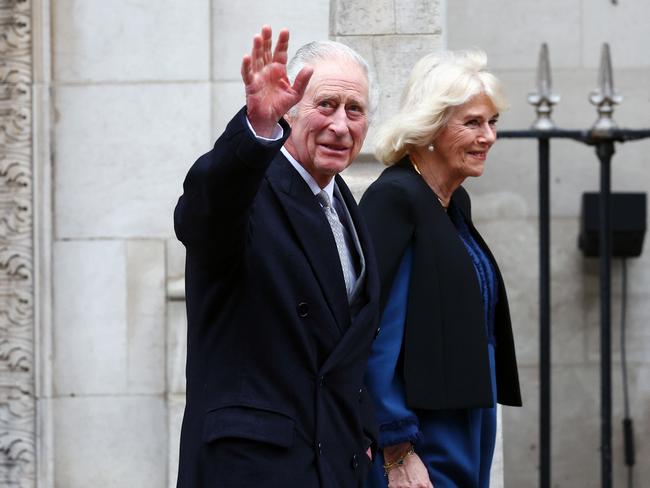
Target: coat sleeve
[[387, 210], [211, 215], [397, 422]]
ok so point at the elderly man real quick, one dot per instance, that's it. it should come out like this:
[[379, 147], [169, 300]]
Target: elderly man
[[281, 286]]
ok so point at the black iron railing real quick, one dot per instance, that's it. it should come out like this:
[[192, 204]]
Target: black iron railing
[[603, 136]]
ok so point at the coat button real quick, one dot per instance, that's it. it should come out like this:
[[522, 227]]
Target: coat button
[[319, 448], [360, 394], [303, 309], [377, 332], [355, 462], [321, 381]]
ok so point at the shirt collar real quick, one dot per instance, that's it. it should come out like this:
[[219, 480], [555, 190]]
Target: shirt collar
[[309, 179]]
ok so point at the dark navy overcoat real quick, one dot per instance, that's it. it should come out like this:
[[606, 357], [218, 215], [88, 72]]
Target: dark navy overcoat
[[275, 359]]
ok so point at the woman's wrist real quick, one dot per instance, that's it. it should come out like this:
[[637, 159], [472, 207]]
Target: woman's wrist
[[395, 452], [395, 456]]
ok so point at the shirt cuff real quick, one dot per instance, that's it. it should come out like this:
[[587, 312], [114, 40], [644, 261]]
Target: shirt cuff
[[398, 431], [277, 133]]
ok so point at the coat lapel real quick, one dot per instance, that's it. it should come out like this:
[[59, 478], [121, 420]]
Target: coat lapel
[[364, 321], [314, 234]]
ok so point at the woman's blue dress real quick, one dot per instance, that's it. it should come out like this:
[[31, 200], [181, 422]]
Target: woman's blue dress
[[457, 445]]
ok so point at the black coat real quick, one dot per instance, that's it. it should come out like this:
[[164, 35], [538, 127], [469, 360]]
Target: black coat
[[444, 353], [275, 361]]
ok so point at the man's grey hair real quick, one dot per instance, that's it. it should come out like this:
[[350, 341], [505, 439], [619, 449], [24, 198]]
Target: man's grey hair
[[315, 51]]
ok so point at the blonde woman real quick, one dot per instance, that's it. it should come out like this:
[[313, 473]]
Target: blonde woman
[[445, 353]]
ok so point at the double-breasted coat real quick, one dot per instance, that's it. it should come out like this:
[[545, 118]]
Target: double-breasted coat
[[275, 359]]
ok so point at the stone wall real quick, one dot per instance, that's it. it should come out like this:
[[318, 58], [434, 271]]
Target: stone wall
[[125, 95], [131, 108]]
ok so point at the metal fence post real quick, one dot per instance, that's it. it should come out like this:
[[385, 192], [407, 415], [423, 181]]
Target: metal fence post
[[603, 134]]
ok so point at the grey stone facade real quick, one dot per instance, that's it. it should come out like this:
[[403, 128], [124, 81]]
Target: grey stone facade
[[103, 107]]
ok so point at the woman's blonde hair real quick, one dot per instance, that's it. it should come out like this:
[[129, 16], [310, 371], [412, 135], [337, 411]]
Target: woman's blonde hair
[[438, 82]]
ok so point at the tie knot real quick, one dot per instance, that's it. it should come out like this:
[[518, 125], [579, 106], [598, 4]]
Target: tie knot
[[324, 199]]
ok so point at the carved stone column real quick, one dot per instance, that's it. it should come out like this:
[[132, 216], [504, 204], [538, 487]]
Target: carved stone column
[[17, 402]]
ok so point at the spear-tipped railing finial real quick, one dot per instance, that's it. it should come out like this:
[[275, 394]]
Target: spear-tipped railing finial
[[543, 99], [604, 97]]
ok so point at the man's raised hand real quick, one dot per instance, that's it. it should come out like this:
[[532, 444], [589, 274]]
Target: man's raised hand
[[269, 94]]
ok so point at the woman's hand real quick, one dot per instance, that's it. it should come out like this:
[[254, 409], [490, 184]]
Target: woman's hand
[[412, 473]]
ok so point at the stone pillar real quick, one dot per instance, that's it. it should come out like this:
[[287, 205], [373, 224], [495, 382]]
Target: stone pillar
[[392, 35], [17, 402]]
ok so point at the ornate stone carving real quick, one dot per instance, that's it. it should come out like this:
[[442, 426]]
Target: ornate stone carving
[[17, 402]]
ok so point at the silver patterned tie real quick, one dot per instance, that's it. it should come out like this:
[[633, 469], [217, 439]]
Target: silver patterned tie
[[347, 265]]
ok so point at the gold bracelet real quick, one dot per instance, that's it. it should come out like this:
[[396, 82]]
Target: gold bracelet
[[399, 462]]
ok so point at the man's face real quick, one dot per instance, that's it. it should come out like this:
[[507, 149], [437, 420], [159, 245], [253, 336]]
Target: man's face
[[331, 121]]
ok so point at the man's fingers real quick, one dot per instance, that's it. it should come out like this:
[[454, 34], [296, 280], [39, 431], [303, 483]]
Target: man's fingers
[[257, 54], [300, 84], [281, 47], [266, 32], [267, 41], [246, 73]]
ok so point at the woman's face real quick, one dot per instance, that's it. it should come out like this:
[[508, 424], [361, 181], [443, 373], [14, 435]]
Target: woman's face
[[462, 145]]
